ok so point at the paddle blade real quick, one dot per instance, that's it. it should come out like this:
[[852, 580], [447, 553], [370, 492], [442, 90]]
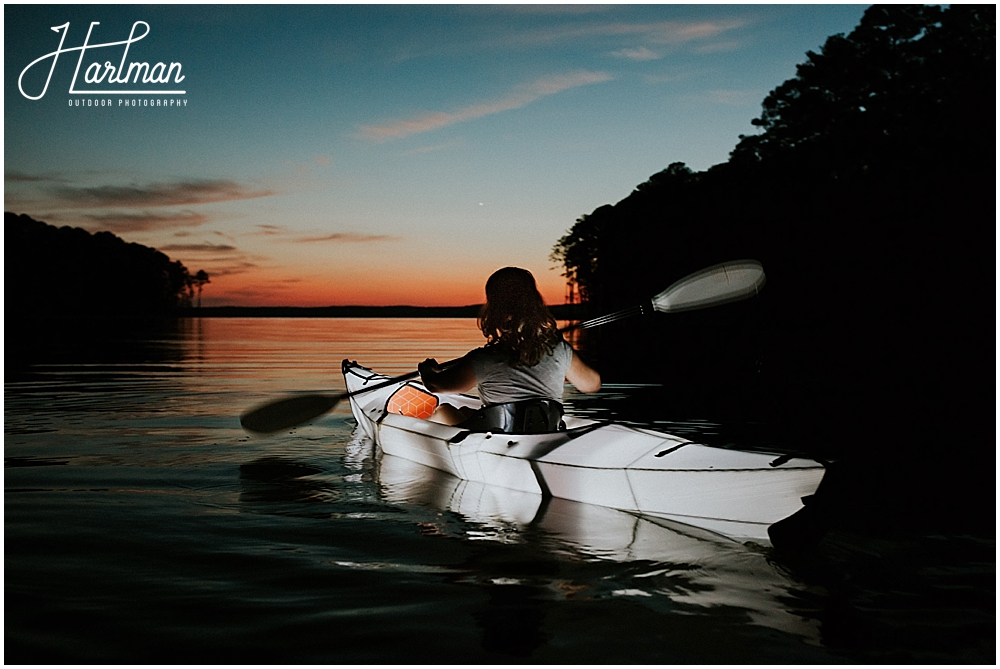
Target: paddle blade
[[287, 413], [727, 282]]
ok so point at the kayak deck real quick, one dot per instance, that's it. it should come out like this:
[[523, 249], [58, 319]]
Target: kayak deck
[[735, 493]]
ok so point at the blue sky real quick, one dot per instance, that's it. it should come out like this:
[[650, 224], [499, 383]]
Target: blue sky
[[384, 154]]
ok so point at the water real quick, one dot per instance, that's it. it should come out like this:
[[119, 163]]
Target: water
[[143, 525]]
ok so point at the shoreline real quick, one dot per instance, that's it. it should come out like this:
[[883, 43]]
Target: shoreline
[[560, 312]]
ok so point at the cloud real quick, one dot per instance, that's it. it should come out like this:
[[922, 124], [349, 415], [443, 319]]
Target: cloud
[[216, 269], [641, 53], [350, 237], [21, 177], [157, 195], [519, 97], [671, 32], [272, 229], [200, 248], [145, 222], [347, 237], [562, 24], [216, 259], [656, 32]]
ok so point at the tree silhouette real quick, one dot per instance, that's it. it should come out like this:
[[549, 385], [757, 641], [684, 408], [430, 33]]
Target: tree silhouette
[[68, 263], [862, 195], [578, 252], [200, 279], [906, 83]]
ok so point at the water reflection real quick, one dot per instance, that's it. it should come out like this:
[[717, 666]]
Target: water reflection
[[275, 483], [696, 569], [96, 342]]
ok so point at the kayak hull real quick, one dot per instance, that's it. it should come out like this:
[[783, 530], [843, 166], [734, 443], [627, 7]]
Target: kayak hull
[[735, 493]]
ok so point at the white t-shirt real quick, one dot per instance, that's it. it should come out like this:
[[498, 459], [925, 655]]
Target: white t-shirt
[[499, 382]]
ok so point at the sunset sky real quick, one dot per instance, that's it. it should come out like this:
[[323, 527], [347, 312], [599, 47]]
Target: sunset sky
[[379, 154]]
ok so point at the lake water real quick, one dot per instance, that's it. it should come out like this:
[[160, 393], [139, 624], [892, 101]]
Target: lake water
[[142, 524]]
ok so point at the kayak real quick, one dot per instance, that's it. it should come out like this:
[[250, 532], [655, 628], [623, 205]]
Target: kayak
[[735, 493]]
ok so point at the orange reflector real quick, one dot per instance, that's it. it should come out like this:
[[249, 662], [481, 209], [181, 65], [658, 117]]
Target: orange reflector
[[412, 401]]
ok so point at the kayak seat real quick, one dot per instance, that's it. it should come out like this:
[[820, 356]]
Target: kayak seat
[[532, 416]]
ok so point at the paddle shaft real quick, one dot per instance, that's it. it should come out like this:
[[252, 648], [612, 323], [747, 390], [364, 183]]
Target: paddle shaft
[[611, 318]]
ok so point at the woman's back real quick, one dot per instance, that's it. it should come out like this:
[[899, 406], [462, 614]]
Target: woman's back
[[499, 382]]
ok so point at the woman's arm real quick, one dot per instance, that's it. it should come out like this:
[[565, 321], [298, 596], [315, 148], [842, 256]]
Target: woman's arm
[[457, 378], [586, 379]]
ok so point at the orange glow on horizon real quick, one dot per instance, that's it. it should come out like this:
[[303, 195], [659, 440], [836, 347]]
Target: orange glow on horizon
[[264, 289]]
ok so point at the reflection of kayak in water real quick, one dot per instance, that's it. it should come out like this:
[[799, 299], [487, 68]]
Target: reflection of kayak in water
[[734, 493], [690, 566], [595, 530]]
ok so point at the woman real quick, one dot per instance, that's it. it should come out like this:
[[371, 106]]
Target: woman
[[520, 372]]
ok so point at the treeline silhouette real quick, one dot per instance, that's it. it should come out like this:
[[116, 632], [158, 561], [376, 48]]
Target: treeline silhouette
[[869, 197], [55, 272], [560, 312]]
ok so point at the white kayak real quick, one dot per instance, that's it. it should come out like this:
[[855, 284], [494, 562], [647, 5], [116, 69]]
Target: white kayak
[[735, 493]]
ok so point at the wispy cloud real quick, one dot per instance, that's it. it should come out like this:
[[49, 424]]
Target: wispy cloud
[[350, 237], [344, 237], [144, 222], [218, 267], [21, 177], [157, 195], [216, 259], [200, 248], [672, 32], [655, 32], [272, 229], [640, 53], [519, 97]]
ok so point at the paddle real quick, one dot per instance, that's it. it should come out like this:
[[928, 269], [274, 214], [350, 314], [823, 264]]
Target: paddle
[[710, 287], [719, 284]]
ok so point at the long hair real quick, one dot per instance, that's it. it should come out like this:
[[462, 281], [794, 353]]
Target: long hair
[[515, 319]]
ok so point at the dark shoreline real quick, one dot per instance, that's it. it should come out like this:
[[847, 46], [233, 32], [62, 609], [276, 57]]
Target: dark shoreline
[[560, 312]]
